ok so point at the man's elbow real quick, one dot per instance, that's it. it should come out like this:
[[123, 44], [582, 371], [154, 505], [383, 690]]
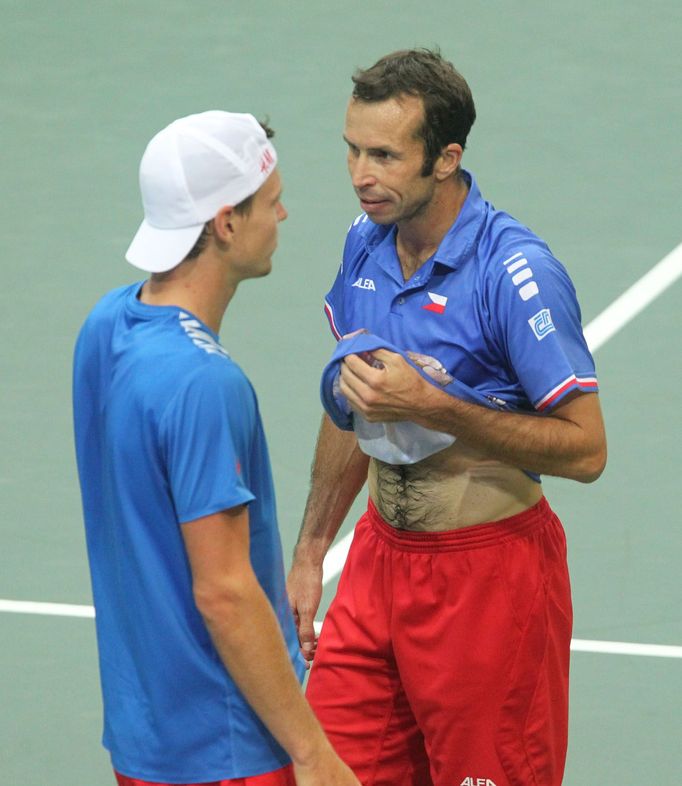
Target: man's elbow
[[219, 601], [591, 466]]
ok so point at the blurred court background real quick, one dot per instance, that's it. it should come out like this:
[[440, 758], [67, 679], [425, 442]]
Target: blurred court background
[[578, 135]]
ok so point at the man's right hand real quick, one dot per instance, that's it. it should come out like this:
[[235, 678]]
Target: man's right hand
[[326, 770], [304, 587]]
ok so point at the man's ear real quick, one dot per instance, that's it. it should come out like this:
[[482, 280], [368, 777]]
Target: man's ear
[[225, 223], [448, 161]]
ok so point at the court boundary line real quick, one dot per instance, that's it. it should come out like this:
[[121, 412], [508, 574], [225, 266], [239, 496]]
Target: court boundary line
[[577, 645], [46, 609], [602, 328]]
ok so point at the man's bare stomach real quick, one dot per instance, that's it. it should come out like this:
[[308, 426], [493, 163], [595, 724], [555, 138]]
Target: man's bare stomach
[[456, 487]]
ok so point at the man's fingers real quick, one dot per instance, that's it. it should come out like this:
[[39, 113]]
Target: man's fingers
[[304, 588], [355, 365], [307, 638], [306, 633], [385, 355], [352, 386]]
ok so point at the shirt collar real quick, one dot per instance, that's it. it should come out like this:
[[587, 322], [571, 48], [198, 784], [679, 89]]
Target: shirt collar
[[459, 240], [454, 248]]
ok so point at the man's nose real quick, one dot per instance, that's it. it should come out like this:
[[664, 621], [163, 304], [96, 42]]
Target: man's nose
[[361, 173]]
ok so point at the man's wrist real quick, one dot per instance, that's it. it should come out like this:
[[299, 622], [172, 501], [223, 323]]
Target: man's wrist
[[429, 404], [310, 748], [310, 552]]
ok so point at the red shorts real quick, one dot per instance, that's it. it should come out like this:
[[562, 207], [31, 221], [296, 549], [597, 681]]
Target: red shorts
[[443, 659], [283, 777]]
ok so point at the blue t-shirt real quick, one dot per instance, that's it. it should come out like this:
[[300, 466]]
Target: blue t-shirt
[[168, 430], [493, 305]]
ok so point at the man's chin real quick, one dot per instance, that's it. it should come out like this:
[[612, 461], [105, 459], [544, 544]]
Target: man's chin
[[384, 216], [262, 270]]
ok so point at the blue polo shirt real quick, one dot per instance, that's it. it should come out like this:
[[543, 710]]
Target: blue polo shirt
[[493, 305]]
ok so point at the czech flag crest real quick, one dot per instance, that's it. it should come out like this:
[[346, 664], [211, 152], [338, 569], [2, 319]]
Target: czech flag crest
[[437, 303]]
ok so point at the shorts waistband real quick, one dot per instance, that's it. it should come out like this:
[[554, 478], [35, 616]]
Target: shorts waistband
[[477, 536]]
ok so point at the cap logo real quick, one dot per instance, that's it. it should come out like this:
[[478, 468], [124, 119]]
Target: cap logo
[[267, 161]]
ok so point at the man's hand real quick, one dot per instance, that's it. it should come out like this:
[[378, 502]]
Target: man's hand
[[391, 393], [326, 770], [304, 587]]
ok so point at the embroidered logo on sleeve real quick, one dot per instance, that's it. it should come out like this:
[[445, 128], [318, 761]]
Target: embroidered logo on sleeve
[[437, 304], [541, 324]]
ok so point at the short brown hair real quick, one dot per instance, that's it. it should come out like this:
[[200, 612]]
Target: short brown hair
[[449, 110]]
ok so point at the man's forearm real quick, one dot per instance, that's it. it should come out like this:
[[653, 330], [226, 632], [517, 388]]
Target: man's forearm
[[339, 471], [247, 636], [569, 442]]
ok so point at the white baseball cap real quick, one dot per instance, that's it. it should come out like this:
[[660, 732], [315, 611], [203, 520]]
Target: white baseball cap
[[191, 169]]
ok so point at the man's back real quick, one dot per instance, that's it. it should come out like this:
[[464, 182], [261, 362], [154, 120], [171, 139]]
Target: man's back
[[168, 431]]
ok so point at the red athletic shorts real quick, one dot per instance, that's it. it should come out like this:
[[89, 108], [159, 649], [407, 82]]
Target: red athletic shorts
[[283, 777], [443, 660]]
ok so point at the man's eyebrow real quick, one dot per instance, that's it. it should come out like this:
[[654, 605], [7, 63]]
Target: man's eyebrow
[[385, 149], [373, 150]]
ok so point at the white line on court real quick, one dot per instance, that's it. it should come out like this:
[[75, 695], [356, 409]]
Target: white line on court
[[626, 648], [51, 609], [577, 645], [598, 332], [603, 327], [635, 299]]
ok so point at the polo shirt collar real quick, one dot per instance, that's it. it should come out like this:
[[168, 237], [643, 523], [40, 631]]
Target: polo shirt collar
[[459, 240], [454, 248]]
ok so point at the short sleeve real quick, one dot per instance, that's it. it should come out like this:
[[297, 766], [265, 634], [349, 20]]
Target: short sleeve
[[204, 442], [537, 320], [334, 301], [334, 306]]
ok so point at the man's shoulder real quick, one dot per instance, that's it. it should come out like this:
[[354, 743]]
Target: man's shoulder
[[199, 358], [199, 342], [100, 323], [506, 246], [362, 240], [365, 234], [205, 355], [198, 382], [109, 303]]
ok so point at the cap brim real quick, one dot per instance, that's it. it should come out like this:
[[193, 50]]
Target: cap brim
[[158, 250]]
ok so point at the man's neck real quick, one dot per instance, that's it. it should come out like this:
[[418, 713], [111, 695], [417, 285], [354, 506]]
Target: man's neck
[[194, 287], [419, 237]]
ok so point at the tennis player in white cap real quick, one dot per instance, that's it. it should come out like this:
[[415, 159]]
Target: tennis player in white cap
[[199, 656]]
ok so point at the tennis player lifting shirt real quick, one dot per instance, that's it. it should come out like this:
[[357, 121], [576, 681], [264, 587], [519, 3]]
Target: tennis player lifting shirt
[[444, 657]]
